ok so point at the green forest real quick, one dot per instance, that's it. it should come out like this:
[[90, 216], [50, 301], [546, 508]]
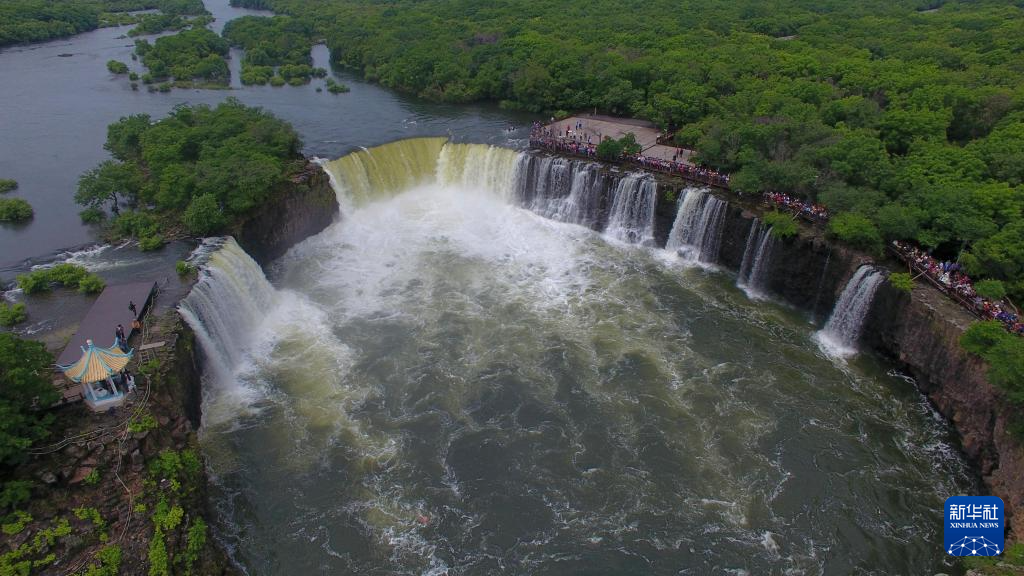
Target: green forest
[[38, 20], [197, 170], [907, 116]]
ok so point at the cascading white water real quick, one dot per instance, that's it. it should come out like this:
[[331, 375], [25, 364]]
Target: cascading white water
[[226, 305], [631, 218], [757, 258], [840, 335], [697, 231], [441, 372], [489, 168]]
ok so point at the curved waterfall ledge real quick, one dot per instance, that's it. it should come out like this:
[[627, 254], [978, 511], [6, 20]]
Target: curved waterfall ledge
[[439, 325]]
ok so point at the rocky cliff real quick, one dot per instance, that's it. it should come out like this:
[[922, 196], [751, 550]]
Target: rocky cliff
[[299, 209], [919, 332]]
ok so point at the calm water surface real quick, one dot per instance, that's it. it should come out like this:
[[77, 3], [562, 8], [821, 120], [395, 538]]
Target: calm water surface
[[55, 111]]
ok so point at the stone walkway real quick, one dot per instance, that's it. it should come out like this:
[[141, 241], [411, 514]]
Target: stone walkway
[[597, 127]]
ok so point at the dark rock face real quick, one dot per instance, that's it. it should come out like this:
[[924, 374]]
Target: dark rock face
[[302, 208], [920, 333]]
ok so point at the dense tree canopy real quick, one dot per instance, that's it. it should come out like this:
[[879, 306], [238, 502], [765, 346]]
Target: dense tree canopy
[[25, 374], [37, 20], [195, 55], [202, 167], [908, 114]]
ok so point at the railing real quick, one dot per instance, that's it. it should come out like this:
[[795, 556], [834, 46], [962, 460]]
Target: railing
[[949, 291], [589, 151]]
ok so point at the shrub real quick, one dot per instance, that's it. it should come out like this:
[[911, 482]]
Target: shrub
[[991, 289], [277, 81], [981, 337], [609, 150], [183, 268], [158, 561], [7, 185], [782, 225], [134, 77], [116, 67], [34, 282], [18, 523], [15, 210], [12, 314], [902, 281], [338, 88], [150, 243], [91, 284], [65, 274], [93, 478], [203, 215], [109, 562], [1004, 353], [195, 543], [857, 231], [92, 215], [14, 492], [142, 424]]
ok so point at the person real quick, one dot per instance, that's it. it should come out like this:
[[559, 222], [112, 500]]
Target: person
[[119, 334], [136, 325], [131, 307], [129, 380]]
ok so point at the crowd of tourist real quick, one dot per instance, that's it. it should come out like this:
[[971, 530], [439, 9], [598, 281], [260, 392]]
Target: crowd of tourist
[[808, 210], [574, 140], [951, 279]]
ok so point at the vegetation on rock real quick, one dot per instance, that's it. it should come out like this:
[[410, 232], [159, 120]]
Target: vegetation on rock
[[782, 225], [7, 185], [200, 168]]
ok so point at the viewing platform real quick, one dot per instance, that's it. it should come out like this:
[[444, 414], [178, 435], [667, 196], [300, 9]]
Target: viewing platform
[[579, 136], [109, 310]]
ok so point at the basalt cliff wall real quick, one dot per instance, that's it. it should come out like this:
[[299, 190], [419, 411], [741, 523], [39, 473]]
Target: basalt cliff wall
[[920, 332], [299, 209]]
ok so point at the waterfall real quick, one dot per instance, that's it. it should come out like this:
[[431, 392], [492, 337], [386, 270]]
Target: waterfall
[[226, 305], [631, 218], [384, 171], [697, 231], [562, 189], [757, 256], [841, 333], [476, 166]]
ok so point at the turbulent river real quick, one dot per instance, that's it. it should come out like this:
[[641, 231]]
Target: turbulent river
[[448, 382]]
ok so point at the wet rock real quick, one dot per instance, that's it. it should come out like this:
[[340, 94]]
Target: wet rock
[[47, 477]]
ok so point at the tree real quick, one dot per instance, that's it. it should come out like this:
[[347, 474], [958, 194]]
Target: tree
[[123, 137], [25, 390], [203, 215], [110, 182], [856, 230]]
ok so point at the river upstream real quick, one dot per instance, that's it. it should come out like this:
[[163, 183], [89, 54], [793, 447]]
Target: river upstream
[[454, 379]]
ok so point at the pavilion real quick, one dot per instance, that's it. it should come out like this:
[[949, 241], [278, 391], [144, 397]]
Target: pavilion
[[99, 373]]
